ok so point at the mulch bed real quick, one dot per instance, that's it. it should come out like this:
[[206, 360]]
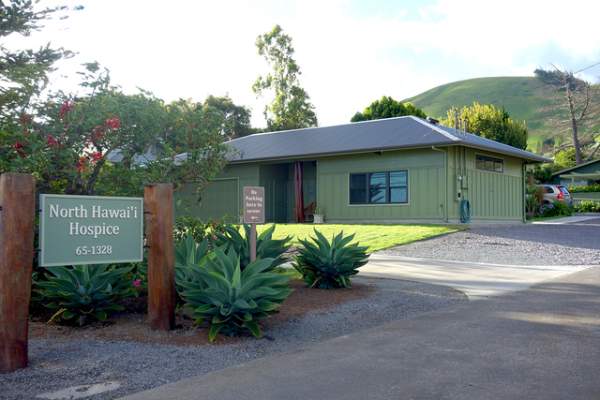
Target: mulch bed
[[132, 326]]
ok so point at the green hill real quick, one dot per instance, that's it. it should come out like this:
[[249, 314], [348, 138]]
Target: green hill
[[525, 99]]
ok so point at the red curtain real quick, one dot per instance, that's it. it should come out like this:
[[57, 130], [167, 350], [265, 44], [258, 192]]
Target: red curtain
[[298, 192]]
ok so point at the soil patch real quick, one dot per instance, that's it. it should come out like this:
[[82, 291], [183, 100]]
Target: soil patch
[[133, 326]]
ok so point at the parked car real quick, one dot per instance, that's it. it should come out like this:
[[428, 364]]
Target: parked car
[[554, 193]]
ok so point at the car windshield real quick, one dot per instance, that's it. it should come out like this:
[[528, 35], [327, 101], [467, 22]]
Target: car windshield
[[563, 190]]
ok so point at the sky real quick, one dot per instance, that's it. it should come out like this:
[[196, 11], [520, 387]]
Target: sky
[[350, 52]]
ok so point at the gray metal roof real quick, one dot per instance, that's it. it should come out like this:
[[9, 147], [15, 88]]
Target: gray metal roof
[[360, 137], [585, 164]]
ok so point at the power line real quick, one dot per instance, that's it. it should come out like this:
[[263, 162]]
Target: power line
[[586, 68]]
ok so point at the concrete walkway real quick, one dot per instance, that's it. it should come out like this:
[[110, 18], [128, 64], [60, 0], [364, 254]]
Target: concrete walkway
[[568, 220], [476, 280], [540, 343]]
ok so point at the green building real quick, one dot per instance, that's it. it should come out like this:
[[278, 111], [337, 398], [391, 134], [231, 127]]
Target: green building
[[584, 174], [396, 170]]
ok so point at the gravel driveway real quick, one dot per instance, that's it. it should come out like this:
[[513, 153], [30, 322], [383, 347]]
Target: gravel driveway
[[524, 244], [56, 365]]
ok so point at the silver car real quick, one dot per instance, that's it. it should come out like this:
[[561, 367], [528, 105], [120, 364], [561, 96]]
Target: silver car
[[554, 193]]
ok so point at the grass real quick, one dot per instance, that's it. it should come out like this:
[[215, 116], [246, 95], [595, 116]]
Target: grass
[[525, 99], [375, 237]]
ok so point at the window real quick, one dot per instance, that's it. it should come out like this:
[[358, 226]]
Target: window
[[379, 188], [489, 163]]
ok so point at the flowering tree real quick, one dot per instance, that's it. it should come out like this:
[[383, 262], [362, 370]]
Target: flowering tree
[[67, 142]]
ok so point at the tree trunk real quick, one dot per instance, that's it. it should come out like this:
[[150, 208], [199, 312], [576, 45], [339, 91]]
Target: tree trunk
[[578, 157]]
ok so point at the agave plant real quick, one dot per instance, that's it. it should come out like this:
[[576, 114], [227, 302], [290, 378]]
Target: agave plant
[[189, 255], [231, 300], [327, 265], [85, 293], [266, 246]]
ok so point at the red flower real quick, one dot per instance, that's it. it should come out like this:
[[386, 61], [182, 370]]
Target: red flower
[[18, 146], [51, 141], [96, 156], [82, 164], [113, 123], [65, 108]]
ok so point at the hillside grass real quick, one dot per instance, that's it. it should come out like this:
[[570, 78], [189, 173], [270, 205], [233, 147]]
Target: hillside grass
[[525, 99]]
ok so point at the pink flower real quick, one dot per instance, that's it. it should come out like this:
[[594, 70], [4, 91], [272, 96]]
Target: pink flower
[[137, 283], [18, 146], [51, 141], [113, 123], [96, 156]]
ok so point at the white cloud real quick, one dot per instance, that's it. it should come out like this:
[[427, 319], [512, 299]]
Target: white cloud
[[192, 49]]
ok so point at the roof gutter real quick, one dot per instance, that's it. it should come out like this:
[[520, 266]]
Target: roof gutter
[[334, 154]]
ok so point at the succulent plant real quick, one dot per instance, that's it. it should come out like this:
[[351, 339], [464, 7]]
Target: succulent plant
[[266, 246], [84, 293], [229, 299], [324, 264]]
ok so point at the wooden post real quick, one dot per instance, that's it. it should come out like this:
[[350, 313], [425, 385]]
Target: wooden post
[[252, 242], [17, 215], [158, 207]]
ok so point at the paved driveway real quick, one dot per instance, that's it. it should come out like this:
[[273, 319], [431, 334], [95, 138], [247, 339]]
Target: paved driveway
[[491, 260], [541, 343]]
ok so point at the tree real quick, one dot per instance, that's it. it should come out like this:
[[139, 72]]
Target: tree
[[24, 73], [106, 142], [488, 121], [387, 107], [565, 159], [291, 107], [235, 119], [578, 97]]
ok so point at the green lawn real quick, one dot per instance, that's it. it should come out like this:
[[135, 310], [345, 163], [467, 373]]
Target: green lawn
[[376, 237]]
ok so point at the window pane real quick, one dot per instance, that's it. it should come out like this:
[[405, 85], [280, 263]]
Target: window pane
[[399, 195], [358, 188], [377, 187], [498, 166], [398, 178], [489, 165]]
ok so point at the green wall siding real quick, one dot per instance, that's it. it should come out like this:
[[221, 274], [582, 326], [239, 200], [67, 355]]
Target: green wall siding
[[433, 188], [222, 198], [426, 191], [492, 195]]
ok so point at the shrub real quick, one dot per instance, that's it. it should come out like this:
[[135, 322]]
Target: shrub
[[266, 246], [533, 199], [588, 206], [585, 189], [85, 293], [199, 230], [555, 209], [330, 265], [231, 300]]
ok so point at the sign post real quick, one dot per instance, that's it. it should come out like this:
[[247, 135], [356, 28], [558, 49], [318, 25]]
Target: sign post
[[254, 213], [17, 215], [158, 200]]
